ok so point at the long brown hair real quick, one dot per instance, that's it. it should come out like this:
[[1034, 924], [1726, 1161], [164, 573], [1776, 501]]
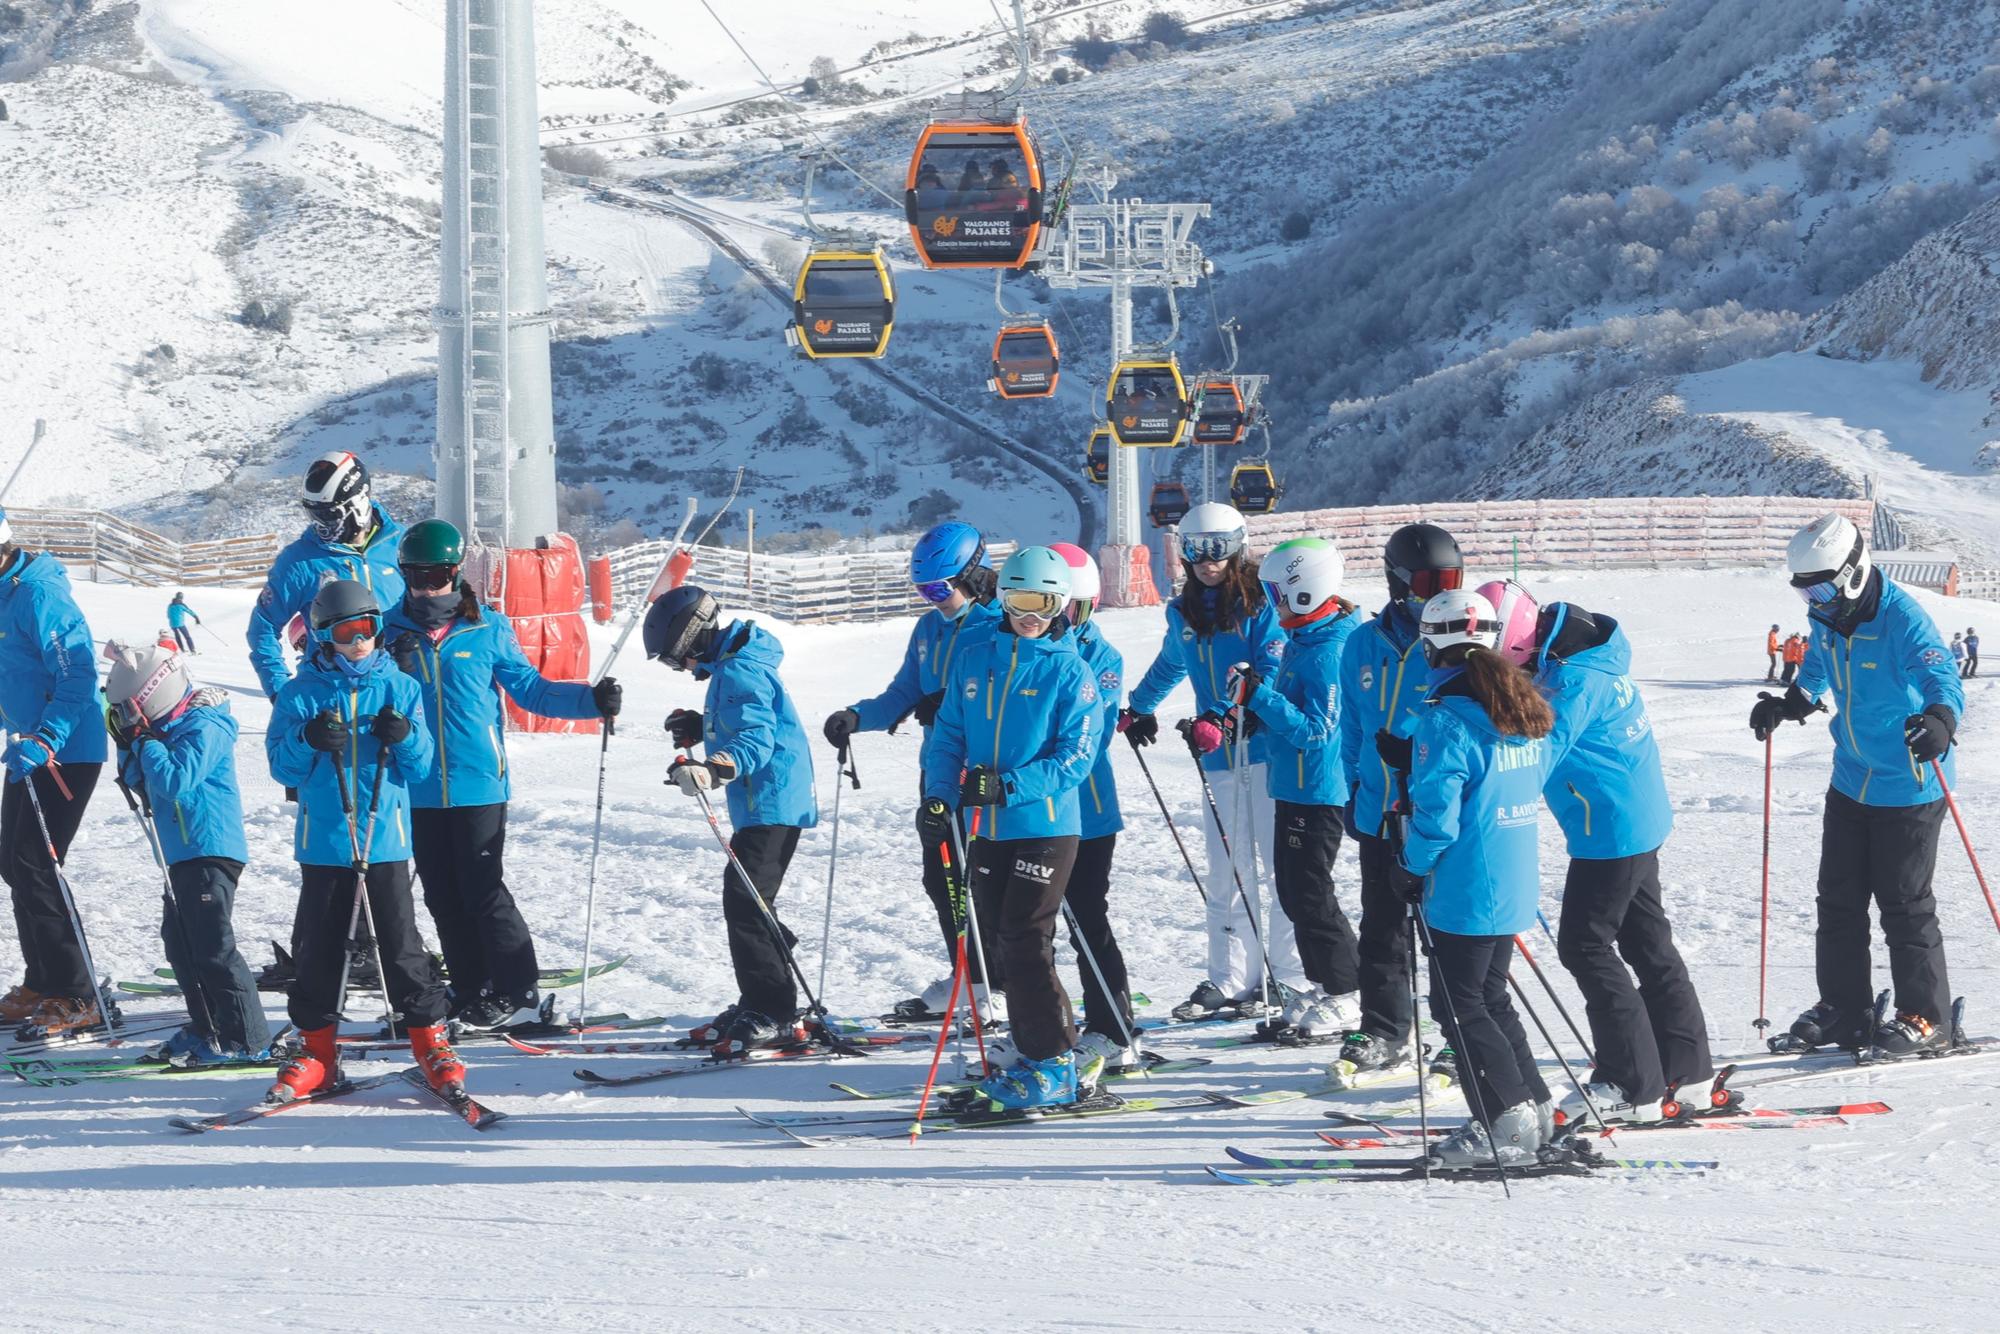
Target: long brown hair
[[1507, 694], [1242, 596]]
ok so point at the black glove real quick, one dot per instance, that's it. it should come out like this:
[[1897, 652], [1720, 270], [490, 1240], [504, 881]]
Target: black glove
[[1141, 729], [934, 822], [390, 728], [1398, 752], [981, 787], [327, 731], [926, 708], [608, 696], [1409, 886], [839, 727], [404, 651], [1771, 710], [684, 727], [1347, 819], [1928, 734]]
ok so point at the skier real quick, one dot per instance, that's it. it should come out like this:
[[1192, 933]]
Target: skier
[[178, 612], [1795, 656], [348, 732], [1480, 762], [948, 567], [464, 655], [49, 709], [757, 752], [1379, 689], [350, 537], [1898, 705], [1221, 618], [1972, 651], [1017, 781], [1607, 791], [1771, 653], [1957, 654], [176, 746], [1300, 709]]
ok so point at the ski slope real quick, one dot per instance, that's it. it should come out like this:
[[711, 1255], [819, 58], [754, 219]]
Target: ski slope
[[660, 1208]]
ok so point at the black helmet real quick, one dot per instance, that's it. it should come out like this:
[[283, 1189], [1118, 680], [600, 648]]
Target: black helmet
[[343, 600], [680, 624], [336, 496], [1421, 560]]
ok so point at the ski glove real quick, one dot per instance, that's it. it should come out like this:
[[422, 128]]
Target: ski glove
[[1409, 886], [1398, 752], [839, 727], [926, 708], [1141, 729], [1928, 734], [608, 696], [981, 787], [1770, 711], [1241, 681], [404, 651], [692, 776], [684, 727], [25, 754], [327, 731], [389, 727], [934, 822], [123, 734], [1204, 734]]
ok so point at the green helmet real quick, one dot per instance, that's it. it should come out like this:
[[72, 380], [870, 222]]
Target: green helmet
[[432, 542]]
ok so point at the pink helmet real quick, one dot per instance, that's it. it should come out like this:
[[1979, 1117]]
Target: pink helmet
[[1516, 610], [1084, 582]]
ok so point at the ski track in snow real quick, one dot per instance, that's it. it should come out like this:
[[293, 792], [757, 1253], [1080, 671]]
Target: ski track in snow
[[660, 1208]]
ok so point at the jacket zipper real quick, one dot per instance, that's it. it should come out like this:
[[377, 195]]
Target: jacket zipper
[[1000, 718], [1392, 696], [1586, 807], [437, 684]]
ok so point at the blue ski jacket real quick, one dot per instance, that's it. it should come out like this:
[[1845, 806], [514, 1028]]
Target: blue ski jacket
[[1605, 783], [1300, 708], [48, 666], [1383, 679], [934, 640], [1027, 709], [294, 581], [462, 671], [187, 768], [1893, 663], [321, 837], [1097, 800], [178, 613], [1204, 660], [1476, 799], [748, 716]]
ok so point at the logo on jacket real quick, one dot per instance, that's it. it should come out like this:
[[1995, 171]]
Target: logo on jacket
[[1107, 680], [1367, 677], [1039, 874], [972, 690], [1933, 656], [1187, 633], [1089, 691]]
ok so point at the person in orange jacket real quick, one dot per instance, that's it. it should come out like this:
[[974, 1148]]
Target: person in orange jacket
[[1795, 656], [1771, 652]]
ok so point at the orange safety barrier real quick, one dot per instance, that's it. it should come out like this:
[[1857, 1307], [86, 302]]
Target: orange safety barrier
[[1128, 576], [544, 600], [600, 589]]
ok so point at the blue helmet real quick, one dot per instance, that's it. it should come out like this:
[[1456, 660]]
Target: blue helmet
[[946, 552]]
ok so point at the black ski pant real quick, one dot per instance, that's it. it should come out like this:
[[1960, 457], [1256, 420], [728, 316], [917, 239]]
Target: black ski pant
[[486, 946], [1785, 677], [201, 945], [326, 901], [1307, 842], [939, 892], [1884, 854], [185, 638], [1771, 672], [764, 980], [1651, 1037], [1018, 885], [1972, 662], [55, 965], [1492, 1047], [1089, 887], [1383, 967]]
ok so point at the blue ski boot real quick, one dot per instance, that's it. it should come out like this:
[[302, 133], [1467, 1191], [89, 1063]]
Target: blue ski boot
[[1030, 1084]]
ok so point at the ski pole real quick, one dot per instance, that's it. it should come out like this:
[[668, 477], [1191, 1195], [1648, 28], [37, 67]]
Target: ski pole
[[1561, 1009], [191, 987], [105, 1014], [590, 892], [1951, 804], [1543, 1029], [216, 634], [1239, 773], [1396, 836], [843, 769], [1543, 918], [1172, 828], [964, 864], [1090, 957], [1762, 1021], [1185, 727], [958, 976], [360, 848]]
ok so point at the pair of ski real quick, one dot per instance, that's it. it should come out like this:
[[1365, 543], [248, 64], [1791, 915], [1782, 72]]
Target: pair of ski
[[44, 1073], [1573, 1157], [849, 1046], [163, 982], [380, 1040], [123, 1034], [1822, 1116], [466, 1108]]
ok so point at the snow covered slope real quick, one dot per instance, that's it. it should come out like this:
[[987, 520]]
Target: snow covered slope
[[660, 1208]]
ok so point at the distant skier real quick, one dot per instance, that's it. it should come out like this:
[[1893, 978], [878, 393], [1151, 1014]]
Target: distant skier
[[1972, 651], [756, 752], [1795, 656], [1898, 704], [1771, 652], [1957, 652], [948, 567], [178, 613]]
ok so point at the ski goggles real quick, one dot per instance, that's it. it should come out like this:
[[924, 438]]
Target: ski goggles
[[1427, 584], [354, 629], [1031, 602], [1817, 589], [937, 590], [429, 577], [1202, 548]]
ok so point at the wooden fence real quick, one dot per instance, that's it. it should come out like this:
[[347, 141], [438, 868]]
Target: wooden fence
[[839, 586], [102, 546]]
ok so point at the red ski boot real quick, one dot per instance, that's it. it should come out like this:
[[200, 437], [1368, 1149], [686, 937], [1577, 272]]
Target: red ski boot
[[315, 1069], [440, 1064]]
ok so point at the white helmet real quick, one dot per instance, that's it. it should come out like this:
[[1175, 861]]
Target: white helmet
[[1212, 531], [1085, 584], [1828, 559], [1301, 579], [145, 681], [1458, 616]]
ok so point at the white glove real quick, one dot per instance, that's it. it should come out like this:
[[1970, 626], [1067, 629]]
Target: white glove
[[692, 776]]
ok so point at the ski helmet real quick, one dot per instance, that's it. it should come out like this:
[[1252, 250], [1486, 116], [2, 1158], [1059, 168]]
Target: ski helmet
[[1829, 559], [336, 496], [146, 683], [1302, 580], [1421, 560], [432, 542], [1518, 613], [1212, 531], [943, 557], [680, 624], [1035, 581], [341, 602], [1085, 584], [1458, 616]]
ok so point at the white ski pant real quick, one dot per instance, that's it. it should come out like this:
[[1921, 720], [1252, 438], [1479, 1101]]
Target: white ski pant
[[1250, 817]]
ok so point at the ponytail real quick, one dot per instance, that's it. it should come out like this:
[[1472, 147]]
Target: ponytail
[[468, 604], [1508, 694]]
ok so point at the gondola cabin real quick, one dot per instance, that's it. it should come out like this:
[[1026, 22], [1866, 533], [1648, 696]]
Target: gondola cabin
[[1223, 418], [973, 195], [1097, 456], [1169, 504], [843, 304], [1026, 362], [1146, 403], [1253, 488]]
